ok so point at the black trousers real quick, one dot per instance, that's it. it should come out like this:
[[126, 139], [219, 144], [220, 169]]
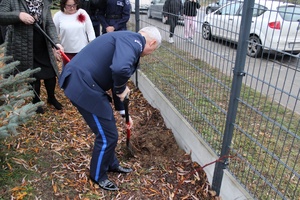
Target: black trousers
[[50, 88], [173, 21], [103, 156]]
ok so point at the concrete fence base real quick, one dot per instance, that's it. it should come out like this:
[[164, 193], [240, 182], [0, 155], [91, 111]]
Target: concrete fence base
[[188, 139]]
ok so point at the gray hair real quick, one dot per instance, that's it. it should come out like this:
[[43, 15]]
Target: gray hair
[[153, 33]]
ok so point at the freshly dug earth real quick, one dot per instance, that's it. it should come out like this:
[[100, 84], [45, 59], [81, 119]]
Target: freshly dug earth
[[60, 145]]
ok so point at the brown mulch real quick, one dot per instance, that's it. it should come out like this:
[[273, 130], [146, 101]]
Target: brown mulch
[[61, 145]]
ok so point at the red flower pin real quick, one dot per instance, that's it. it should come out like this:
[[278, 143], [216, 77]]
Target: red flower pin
[[81, 18]]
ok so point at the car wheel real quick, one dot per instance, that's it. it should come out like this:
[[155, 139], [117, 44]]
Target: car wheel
[[206, 32], [254, 46], [208, 10], [149, 13]]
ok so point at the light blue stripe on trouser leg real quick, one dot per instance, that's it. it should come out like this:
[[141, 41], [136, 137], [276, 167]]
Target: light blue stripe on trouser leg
[[100, 158]]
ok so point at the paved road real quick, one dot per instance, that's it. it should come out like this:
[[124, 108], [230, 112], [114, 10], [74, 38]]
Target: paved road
[[276, 77]]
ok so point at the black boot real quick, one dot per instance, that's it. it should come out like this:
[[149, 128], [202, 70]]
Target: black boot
[[50, 87], [40, 110], [55, 103]]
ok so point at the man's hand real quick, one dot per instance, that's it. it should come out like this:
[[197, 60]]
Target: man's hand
[[110, 29], [130, 123], [124, 94]]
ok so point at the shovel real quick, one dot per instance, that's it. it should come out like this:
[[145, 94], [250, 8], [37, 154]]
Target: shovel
[[128, 145], [65, 57]]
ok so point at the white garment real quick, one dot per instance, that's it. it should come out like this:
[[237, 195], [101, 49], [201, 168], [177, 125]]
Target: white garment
[[74, 34]]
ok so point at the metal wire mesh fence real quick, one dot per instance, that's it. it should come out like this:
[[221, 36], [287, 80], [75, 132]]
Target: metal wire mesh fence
[[241, 94]]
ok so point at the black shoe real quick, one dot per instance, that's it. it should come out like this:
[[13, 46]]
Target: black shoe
[[55, 103], [108, 185], [121, 170], [40, 110]]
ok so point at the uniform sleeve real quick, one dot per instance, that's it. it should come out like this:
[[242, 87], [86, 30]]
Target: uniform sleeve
[[126, 54], [102, 19]]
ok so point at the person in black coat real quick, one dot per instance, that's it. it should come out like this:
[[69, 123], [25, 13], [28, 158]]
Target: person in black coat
[[28, 45], [172, 9], [190, 18], [86, 80]]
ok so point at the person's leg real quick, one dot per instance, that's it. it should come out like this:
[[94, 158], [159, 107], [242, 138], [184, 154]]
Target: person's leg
[[103, 156], [97, 29], [50, 87], [36, 85], [186, 27], [172, 26], [193, 26]]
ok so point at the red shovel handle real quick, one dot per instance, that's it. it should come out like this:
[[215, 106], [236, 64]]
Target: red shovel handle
[[65, 57]]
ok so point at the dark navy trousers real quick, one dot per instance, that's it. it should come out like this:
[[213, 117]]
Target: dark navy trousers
[[103, 156]]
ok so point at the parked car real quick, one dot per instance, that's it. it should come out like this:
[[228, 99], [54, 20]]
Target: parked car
[[156, 11], [143, 6], [275, 26], [216, 5]]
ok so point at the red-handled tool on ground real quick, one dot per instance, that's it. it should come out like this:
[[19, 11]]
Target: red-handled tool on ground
[[65, 57], [128, 145]]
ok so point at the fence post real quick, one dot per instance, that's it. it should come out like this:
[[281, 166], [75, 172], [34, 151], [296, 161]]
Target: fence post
[[137, 28], [238, 73]]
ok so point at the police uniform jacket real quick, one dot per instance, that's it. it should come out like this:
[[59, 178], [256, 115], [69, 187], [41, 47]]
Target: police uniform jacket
[[116, 14], [106, 63]]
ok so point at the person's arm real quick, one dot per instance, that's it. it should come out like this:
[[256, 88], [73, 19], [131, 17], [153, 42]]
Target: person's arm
[[166, 8], [125, 15], [8, 16], [197, 4], [102, 19], [56, 22], [126, 54], [89, 27]]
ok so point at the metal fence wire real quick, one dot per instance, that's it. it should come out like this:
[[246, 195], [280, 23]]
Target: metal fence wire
[[246, 107]]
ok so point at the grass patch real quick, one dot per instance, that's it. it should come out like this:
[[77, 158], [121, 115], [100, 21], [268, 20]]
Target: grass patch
[[266, 134]]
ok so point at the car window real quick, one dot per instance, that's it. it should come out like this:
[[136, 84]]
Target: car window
[[231, 9], [289, 13], [258, 10]]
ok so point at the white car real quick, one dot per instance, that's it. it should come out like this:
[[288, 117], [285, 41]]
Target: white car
[[275, 26], [143, 6]]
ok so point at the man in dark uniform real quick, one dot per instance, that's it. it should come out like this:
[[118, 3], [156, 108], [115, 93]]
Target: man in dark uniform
[[92, 7], [105, 64], [115, 15]]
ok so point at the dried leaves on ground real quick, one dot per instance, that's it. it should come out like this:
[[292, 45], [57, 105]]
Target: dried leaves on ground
[[50, 158]]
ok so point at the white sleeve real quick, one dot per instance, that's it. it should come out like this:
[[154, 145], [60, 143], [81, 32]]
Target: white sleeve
[[89, 28], [56, 21]]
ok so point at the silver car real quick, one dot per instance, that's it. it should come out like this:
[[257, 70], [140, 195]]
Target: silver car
[[155, 10]]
